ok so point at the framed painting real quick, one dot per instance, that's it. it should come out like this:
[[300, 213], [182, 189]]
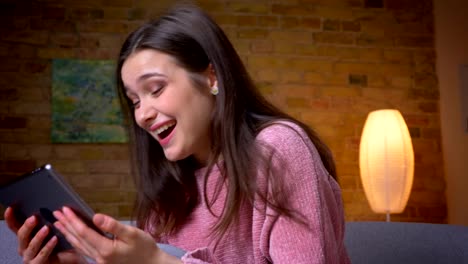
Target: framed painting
[[85, 105]]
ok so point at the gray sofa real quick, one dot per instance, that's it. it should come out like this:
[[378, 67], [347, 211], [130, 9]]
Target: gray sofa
[[367, 242], [397, 242]]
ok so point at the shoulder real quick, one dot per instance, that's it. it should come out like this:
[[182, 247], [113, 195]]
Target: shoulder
[[287, 141], [283, 134]]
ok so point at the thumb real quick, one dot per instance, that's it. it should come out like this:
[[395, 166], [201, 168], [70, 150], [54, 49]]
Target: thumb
[[10, 220], [110, 225]]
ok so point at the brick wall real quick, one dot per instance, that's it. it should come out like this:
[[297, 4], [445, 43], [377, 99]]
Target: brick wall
[[325, 62]]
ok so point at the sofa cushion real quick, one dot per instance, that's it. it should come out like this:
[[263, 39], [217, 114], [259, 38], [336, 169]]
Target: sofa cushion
[[366, 242], [397, 242]]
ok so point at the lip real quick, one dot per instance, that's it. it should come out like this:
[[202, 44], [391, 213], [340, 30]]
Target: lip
[[156, 126], [163, 142]]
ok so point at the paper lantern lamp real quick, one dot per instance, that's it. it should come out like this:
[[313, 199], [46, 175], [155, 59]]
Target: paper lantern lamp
[[386, 161]]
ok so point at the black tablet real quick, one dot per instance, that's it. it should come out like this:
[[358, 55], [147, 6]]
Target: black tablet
[[41, 192]]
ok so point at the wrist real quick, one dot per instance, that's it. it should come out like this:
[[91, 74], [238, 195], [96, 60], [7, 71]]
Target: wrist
[[161, 257]]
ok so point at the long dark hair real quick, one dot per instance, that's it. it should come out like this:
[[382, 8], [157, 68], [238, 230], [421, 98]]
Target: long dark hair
[[167, 191]]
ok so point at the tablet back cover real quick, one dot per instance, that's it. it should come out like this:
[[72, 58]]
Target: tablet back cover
[[40, 193]]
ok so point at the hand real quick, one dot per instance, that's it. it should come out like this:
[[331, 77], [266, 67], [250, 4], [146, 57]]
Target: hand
[[130, 244], [30, 248]]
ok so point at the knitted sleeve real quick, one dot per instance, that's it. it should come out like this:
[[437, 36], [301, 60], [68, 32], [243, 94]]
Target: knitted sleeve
[[316, 236]]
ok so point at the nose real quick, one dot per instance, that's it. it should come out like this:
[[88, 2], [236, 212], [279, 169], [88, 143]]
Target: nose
[[145, 114]]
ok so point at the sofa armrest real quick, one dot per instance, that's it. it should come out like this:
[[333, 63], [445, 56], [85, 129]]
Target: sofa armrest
[[8, 245]]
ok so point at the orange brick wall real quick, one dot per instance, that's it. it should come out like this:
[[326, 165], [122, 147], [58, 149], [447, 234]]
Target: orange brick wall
[[325, 62]]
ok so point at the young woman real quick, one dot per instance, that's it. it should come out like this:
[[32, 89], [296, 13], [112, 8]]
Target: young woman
[[220, 172]]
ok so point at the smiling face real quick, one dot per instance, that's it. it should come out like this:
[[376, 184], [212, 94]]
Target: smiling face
[[168, 105]]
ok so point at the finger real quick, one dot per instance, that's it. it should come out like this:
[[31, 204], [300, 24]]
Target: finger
[[69, 256], [24, 233], [77, 240], [11, 220], [75, 224], [78, 244], [65, 225], [35, 244], [83, 229], [46, 251]]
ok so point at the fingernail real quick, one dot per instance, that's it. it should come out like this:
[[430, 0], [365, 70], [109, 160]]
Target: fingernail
[[58, 226], [53, 240], [99, 220], [56, 215], [66, 210], [43, 230], [31, 220]]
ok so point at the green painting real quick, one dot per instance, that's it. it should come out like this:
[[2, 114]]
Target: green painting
[[85, 105]]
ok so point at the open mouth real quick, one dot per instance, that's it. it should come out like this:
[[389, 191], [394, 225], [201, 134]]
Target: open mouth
[[166, 130]]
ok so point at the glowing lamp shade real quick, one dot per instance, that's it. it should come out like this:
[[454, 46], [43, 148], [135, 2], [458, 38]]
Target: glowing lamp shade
[[386, 161]]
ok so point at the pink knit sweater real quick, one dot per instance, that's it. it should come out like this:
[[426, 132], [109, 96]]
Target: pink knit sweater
[[263, 236]]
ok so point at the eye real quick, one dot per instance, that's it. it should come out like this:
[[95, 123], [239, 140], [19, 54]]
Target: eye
[[157, 89], [135, 104], [132, 99]]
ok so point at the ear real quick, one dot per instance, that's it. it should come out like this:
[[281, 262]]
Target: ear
[[211, 74]]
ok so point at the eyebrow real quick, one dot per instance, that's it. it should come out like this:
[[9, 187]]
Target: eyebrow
[[149, 75], [146, 76]]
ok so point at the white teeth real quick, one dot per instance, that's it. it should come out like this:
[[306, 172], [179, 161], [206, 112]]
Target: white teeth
[[164, 128]]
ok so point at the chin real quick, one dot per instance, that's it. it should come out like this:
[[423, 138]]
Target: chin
[[174, 156]]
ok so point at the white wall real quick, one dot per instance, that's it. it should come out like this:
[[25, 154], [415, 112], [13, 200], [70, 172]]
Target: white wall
[[451, 39]]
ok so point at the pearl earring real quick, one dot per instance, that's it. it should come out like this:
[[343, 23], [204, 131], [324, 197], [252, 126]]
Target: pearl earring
[[214, 90]]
